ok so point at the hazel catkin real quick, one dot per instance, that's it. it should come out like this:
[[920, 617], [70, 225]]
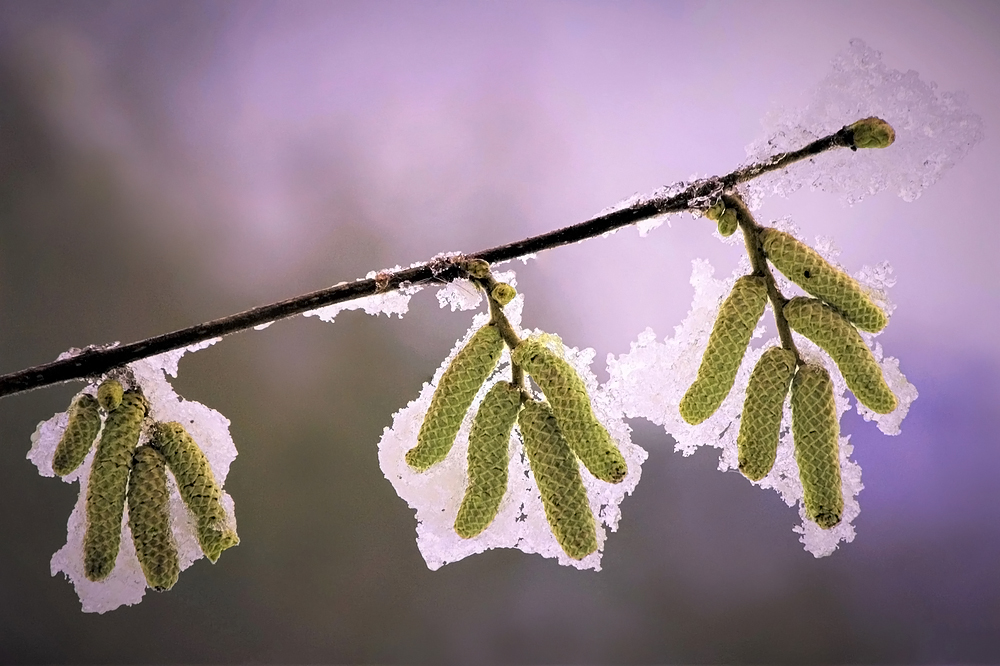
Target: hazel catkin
[[81, 431], [149, 519], [454, 395], [727, 345], [197, 485], [570, 404], [109, 394], [838, 338], [557, 474], [757, 442], [817, 444], [806, 268], [108, 483], [488, 459]]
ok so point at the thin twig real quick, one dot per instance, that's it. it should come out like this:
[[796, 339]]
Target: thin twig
[[95, 361]]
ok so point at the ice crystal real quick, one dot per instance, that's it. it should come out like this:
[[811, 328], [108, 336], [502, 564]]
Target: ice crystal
[[126, 585], [934, 130], [520, 522]]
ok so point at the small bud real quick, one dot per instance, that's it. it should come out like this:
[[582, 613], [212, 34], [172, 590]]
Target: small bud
[[81, 430], [716, 210], [109, 394], [477, 268], [557, 474], [872, 133], [729, 222], [454, 395], [503, 293]]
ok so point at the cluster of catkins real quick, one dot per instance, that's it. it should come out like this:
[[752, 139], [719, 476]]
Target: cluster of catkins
[[125, 471], [557, 432], [831, 320]]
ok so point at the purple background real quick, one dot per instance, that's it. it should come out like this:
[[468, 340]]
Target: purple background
[[165, 163]]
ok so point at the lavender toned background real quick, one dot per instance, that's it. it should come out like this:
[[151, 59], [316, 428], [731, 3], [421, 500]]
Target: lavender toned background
[[164, 163]]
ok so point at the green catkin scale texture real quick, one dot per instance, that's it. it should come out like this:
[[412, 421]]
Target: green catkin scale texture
[[727, 345], [109, 394], [81, 431], [570, 403], [838, 338], [197, 486], [817, 444], [488, 459], [757, 442], [454, 394], [108, 483], [806, 268], [557, 474], [149, 519]]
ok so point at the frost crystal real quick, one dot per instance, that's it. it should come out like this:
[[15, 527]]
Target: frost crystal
[[934, 130], [126, 585], [650, 380], [396, 302], [520, 523]]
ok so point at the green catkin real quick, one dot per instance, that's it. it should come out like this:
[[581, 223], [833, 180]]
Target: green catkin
[[149, 519], [806, 268], [567, 395], [757, 442], [838, 338], [454, 394], [729, 222], [109, 394], [108, 483], [557, 474], [81, 431], [488, 459], [817, 444], [727, 345], [197, 486]]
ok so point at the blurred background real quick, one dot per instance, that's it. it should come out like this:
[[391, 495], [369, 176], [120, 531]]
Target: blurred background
[[163, 163]]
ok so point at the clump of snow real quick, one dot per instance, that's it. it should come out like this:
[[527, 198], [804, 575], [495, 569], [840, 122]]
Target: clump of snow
[[650, 380], [934, 130], [395, 302], [520, 523], [126, 585]]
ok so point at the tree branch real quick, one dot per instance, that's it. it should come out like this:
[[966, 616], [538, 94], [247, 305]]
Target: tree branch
[[95, 361]]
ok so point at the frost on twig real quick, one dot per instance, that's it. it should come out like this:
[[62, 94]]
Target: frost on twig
[[437, 493], [934, 130], [126, 584]]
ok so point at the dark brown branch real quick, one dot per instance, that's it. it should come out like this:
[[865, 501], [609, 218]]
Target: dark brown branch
[[96, 361]]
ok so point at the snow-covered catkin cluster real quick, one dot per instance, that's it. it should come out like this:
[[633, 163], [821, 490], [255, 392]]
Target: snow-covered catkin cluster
[[124, 470], [558, 432]]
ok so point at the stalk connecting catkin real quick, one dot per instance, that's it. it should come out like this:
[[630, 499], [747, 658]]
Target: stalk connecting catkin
[[806, 268], [488, 459], [149, 519], [838, 338], [197, 486], [108, 483], [81, 431], [557, 474], [570, 403], [727, 345], [109, 394], [817, 444], [454, 395], [757, 442]]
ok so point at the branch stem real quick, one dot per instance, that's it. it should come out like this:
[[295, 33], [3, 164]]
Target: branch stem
[[95, 361]]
